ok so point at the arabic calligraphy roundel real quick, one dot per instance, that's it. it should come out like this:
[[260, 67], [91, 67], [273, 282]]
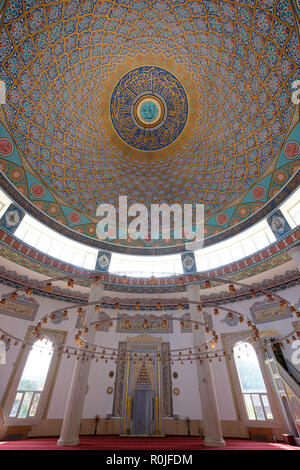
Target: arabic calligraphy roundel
[[149, 108]]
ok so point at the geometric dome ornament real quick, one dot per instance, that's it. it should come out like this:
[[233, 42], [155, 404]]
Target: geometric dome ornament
[[91, 97], [149, 108]]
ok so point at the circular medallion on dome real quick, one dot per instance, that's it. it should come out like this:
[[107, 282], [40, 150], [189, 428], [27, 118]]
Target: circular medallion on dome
[[149, 108], [149, 111], [6, 147]]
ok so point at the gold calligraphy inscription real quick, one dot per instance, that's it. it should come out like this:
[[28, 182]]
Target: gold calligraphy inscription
[[269, 313], [19, 309]]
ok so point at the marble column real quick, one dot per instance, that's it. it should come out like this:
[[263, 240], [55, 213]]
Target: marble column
[[294, 253], [69, 435], [278, 387], [210, 412]]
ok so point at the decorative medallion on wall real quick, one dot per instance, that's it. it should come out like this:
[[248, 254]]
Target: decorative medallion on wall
[[12, 218], [278, 224], [141, 323], [111, 373], [148, 111], [6, 147], [109, 390], [103, 261], [292, 149], [24, 308], [264, 312], [176, 391], [149, 108], [188, 262], [58, 318], [175, 375], [231, 320]]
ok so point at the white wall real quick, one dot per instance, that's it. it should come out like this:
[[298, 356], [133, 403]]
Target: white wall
[[98, 402], [19, 328]]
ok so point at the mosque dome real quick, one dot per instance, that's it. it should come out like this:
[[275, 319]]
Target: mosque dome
[[82, 77]]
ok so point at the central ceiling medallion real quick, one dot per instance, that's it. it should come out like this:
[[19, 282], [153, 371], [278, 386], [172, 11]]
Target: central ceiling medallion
[[149, 108], [149, 111]]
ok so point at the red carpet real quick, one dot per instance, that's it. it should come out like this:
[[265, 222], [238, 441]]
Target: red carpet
[[138, 443]]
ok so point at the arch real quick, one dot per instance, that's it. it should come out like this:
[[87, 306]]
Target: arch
[[39, 390], [32, 381], [252, 384]]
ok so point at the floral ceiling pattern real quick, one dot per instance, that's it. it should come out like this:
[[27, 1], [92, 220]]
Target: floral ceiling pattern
[[61, 61]]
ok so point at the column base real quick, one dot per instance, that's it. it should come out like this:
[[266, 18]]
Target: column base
[[68, 442], [210, 442]]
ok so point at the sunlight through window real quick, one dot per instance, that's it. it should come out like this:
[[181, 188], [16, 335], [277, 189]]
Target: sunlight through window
[[33, 380], [252, 382]]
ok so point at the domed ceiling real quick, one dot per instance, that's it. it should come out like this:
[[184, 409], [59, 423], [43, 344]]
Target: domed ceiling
[[89, 114]]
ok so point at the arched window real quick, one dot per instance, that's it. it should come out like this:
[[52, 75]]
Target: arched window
[[33, 380], [252, 383]]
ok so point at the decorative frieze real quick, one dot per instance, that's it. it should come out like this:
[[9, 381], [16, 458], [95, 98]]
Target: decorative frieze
[[140, 323], [264, 312], [23, 307]]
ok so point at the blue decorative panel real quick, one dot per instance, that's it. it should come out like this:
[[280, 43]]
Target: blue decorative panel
[[103, 261], [188, 262], [278, 224], [12, 218]]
